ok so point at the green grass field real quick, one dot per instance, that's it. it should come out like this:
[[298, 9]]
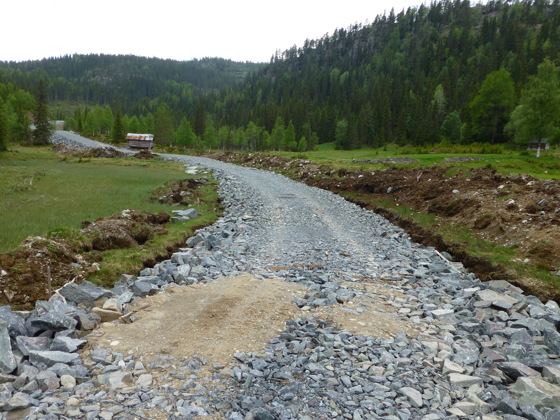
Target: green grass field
[[41, 191], [508, 162]]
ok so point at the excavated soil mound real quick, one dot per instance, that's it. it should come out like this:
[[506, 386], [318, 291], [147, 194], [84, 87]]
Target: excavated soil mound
[[43, 265], [179, 192], [145, 154], [99, 152]]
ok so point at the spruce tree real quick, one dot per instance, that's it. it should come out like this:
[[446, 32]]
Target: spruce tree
[[117, 131], [42, 133]]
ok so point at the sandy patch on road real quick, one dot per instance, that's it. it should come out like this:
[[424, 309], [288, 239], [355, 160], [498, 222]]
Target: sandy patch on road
[[241, 314]]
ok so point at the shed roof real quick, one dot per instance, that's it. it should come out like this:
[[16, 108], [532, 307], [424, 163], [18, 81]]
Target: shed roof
[[135, 136]]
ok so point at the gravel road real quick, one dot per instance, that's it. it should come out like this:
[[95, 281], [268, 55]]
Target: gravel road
[[468, 349]]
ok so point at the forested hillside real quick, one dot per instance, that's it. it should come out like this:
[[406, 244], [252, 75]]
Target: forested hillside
[[130, 81], [451, 71], [400, 78]]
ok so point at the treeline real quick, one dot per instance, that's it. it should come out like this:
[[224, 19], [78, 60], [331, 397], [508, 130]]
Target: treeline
[[16, 109], [199, 133]]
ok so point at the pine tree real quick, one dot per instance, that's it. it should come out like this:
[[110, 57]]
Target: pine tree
[[42, 133], [164, 132]]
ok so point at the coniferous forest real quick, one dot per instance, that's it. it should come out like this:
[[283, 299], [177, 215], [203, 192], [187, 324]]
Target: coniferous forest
[[453, 71]]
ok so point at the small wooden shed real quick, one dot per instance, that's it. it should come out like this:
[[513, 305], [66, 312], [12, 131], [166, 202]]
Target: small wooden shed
[[537, 144], [140, 141]]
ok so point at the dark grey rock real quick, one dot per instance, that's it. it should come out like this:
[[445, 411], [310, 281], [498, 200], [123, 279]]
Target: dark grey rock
[[76, 371], [552, 340], [262, 414], [194, 240], [211, 242], [66, 344], [505, 403], [17, 402], [144, 288], [553, 414], [7, 360], [15, 323], [531, 413], [535, 391], [466, 352], [522, 338], [85, 293], [515, 370], [54, 321], [88, 321], [50, 358], [535, 326], [25, 344], [48, 380]]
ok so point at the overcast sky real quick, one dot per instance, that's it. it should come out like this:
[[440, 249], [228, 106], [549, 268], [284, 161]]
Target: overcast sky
[[241, 30]]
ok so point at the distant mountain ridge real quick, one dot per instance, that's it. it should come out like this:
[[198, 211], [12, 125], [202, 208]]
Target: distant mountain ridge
[[129, 80]]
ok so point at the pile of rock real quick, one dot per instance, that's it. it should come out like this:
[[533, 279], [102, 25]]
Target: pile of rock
[[485, 352], [39, 348]]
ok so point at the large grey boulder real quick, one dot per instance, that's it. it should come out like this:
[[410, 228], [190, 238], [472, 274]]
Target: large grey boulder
[[49, 358], [48, 380], [7, 360], [536, 391], [85, 293], [194, 240], [182, 273], [26, 344], [54, 321], [76, 371], [466, 352], [88, 321], [552, 340], [144, 288], [17, 402], [66, 344], [15, 323]]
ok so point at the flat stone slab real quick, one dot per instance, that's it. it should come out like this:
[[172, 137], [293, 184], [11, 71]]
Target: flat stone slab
[[464, 381], [106, 315], [51, 358], [414, 396], [536, 391], [515, 370], [494, 297]]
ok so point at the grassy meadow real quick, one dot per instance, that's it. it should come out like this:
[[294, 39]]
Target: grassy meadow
[[43, 192], [507, 161]]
